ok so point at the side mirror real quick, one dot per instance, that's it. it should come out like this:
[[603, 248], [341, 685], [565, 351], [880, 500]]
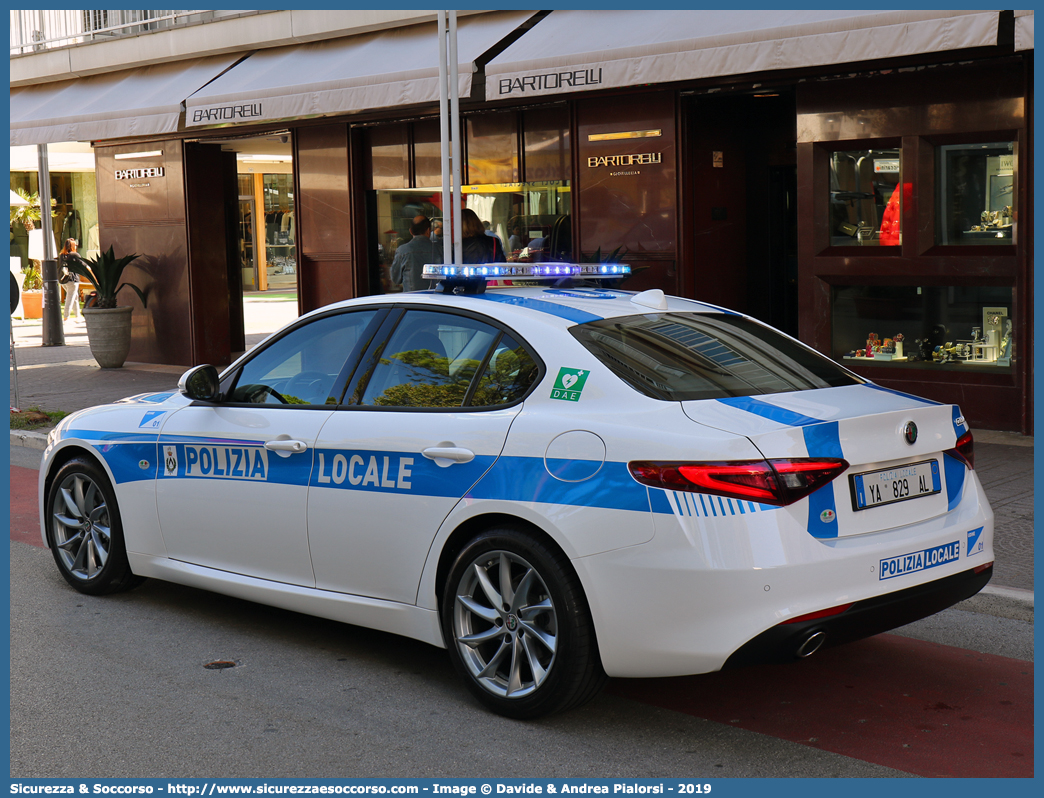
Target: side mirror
[[200, 383]]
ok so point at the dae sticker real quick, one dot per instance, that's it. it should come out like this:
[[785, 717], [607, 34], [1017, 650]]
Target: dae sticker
[[827, 516], [569, 384]]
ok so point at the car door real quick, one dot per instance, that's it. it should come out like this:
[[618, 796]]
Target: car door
[[425, 418], [233, 490]]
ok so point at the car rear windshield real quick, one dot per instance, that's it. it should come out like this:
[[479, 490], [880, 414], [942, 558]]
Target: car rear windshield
[[689, 356]]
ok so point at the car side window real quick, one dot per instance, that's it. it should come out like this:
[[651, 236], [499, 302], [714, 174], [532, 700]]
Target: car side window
[[303, 366], [432, 358], [508, 375]]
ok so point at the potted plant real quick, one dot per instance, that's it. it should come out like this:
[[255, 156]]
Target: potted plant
[[27, 214], [32, 292], [108, 326]]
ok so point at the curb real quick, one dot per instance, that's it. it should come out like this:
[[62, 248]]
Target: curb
[[28, 439], [1001, 602]]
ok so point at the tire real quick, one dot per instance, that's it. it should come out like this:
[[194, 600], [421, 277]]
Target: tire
[[84, 530], [529, 651]]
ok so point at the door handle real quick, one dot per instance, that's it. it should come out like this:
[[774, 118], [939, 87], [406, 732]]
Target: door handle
[[284, 445], [448, 455]]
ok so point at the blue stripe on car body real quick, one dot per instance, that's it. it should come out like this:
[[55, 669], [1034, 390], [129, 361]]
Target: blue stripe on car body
[[524, 479], [955, 471], [823, 440], [772, 412], [553, 308]]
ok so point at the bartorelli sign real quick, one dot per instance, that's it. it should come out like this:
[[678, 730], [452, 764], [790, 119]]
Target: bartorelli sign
[[226, 113], [549, 82], [139, 174], [636, 159]]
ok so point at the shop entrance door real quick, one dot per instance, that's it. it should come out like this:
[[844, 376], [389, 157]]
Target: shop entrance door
[[742, 231], [263, 240], [247, 243]]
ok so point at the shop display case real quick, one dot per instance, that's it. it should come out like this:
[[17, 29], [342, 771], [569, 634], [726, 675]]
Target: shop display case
[[939, 327], [975, 193], [865, 198]]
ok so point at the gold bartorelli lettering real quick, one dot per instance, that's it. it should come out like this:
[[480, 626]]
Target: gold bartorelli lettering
[[625, 160], [139, 174]]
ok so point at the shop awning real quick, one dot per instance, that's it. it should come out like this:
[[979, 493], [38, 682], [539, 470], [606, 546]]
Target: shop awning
[[572, 51], [377, 70], [1023, 30], [133, 102]]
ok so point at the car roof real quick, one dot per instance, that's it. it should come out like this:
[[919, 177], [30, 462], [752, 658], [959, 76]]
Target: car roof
[[552, 306]]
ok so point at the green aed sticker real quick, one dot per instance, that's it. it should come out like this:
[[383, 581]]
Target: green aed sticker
[[569, 384]]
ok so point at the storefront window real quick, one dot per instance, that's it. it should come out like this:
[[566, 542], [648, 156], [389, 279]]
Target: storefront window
[[279, 234], [389, 216], [390, 156], [492, 148], [968, 328], [427, 153], [975, 191], [865, 198], [547, 143], [532, 220], [75, 211]]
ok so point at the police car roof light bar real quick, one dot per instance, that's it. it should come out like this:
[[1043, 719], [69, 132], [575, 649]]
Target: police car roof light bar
[[471, 278]]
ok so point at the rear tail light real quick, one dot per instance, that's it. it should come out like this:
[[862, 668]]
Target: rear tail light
[[778, 482], [964, 450], [813, 616]]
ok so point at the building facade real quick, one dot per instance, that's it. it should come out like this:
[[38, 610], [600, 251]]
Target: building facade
[[862, 181]]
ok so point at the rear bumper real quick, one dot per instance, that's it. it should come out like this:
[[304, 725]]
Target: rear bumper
[[789, 642]]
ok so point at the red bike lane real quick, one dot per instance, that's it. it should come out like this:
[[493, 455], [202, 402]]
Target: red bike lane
[[919, 707]]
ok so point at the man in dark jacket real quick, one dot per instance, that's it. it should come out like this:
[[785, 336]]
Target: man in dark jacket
[[410, 257]]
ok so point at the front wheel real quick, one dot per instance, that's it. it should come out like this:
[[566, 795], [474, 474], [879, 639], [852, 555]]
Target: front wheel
[[518, 628], [84, 530]]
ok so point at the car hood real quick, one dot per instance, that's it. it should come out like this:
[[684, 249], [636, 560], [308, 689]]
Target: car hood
[[174, 398], [140, 414]]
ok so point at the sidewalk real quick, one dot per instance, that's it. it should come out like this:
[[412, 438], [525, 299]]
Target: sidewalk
[[67, 378]]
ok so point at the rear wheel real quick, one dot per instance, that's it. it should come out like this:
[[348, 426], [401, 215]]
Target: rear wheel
[[84, 530], [518, 628]]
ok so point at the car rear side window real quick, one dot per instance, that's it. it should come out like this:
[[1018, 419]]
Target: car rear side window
[[441, 360], [689, 356]]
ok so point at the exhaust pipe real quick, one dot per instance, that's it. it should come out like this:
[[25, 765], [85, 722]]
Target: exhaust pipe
[[811, 645]]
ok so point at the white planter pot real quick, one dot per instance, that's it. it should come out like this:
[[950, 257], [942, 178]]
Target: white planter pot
[[109, 334]]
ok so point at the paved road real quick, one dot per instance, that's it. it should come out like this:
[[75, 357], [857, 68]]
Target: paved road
[[118, 686]]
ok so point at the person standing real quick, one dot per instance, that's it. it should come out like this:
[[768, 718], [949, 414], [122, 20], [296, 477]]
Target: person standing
[[408, 264], [477, 246], [70, 279]]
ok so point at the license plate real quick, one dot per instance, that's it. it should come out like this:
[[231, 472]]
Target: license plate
[[896, 484]]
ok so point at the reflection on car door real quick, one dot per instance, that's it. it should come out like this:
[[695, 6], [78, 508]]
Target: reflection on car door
[[233, 492], [429, 415]]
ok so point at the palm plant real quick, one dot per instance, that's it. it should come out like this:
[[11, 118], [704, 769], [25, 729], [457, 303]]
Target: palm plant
[[26, 215], [104, 272]]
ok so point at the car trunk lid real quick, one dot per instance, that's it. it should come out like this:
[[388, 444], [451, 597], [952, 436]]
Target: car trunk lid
[[885, 436]]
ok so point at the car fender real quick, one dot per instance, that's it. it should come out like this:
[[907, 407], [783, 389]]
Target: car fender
[[103, 434]]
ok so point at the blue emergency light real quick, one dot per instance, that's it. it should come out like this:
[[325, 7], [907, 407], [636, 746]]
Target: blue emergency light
[[472, 278]]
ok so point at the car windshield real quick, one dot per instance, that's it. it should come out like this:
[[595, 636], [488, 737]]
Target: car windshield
[[688, 356]]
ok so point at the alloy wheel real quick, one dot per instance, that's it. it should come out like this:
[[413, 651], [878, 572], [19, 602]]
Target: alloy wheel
[[80, 526], [505, 625]]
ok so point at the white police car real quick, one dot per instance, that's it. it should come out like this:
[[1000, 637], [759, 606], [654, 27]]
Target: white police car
[[554, 483]]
